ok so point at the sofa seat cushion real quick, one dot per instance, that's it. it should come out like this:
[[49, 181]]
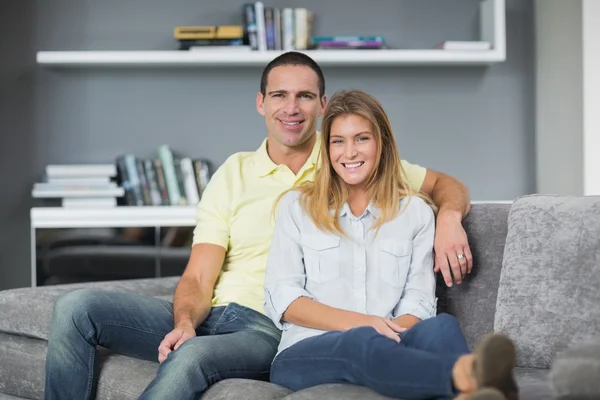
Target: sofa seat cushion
[[22, 374], [550, 281], [27, 311], [22, 366]]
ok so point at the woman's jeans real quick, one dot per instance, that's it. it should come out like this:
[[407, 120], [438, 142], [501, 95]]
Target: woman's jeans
[[419, 367]]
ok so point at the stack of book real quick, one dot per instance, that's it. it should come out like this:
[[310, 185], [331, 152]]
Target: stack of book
[[348, 42], [225, 37], [270, 28], [170, 179], [79, 185]]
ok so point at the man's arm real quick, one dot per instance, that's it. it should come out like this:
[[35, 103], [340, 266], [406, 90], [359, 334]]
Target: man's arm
[[193, 295], [192, 300], [452, 254]]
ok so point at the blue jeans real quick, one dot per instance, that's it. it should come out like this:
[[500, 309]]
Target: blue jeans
[[233, 342], [417, 368]]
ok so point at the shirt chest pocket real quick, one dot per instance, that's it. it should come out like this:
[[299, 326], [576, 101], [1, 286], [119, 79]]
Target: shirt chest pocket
[[321, 257], [394, 261]]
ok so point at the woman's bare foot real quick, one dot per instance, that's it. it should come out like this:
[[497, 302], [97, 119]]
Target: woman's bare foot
[[463, 374], [491, 366]]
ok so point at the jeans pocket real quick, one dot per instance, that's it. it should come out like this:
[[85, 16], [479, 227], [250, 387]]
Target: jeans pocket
[[227, 322]]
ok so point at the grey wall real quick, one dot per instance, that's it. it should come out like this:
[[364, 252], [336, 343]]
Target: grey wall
[[18, 166], [475, 123]]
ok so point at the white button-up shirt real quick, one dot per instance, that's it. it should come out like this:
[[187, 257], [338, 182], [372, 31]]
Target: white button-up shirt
[[387, 275]]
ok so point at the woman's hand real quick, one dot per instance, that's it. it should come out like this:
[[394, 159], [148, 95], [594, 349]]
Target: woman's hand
[[386, 327]]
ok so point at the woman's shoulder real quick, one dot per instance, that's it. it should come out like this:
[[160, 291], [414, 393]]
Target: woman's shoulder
[[291, 197], [416, 204]]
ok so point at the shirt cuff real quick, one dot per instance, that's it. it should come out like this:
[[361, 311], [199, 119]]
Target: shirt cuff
[[278, 301], [421, 309]]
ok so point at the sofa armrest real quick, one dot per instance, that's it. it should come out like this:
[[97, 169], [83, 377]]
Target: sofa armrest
[[575, 372]]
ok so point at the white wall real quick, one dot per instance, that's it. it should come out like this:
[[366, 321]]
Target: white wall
[[567, 97], [591, 96]]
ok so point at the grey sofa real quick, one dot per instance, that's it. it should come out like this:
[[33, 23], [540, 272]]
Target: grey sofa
[[536, 277]]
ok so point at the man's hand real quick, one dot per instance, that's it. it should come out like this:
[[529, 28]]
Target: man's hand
[[173, 340], [386, 327], [452, 253]]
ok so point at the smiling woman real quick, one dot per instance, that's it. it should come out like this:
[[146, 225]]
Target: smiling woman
[[350, 278]]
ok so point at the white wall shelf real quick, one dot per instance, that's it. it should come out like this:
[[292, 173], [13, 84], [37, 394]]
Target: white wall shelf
[[492, 29], [151, 216], [207, 58]]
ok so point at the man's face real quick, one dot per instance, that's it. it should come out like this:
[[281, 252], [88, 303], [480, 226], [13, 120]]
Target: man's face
[[291, 104]]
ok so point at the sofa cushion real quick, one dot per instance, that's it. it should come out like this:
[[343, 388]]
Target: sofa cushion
[[550, 281], [575, 372], [473, 302], [230, 389], [27, 311], [22, 366]]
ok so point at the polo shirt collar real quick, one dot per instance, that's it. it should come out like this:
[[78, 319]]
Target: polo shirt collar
[[265, 166]]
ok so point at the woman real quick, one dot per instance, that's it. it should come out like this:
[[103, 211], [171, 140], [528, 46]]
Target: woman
[[350, 277]]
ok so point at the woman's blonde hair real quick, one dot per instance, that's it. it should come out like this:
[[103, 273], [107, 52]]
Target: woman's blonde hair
[[322, 199]]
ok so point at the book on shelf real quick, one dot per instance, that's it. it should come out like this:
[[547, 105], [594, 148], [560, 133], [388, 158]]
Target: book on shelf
[[79, 185], [169, 178], [166, 179], [80, 170]]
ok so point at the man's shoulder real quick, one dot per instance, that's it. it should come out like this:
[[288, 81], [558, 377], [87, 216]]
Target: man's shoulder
[[236, 163]]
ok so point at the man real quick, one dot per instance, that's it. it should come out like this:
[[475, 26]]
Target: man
[[216, 327]]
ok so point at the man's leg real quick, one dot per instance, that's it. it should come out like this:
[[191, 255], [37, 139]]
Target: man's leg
[[241, 343], [440, 334], [364, 357], [126, 323]]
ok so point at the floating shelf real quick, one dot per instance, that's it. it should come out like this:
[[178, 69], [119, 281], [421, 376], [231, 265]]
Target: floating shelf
[[235, 58], [151, 216], [491, 29]]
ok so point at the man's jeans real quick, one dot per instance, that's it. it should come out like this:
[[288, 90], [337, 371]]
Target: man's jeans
[[419, 367], [233, 342]]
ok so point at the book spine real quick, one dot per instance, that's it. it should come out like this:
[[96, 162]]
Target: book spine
[[143, 182], [162, 183], [166, 157], [152, 183], [249, 19], [134, 179], [288, 29], [259, 12], [123, 178]]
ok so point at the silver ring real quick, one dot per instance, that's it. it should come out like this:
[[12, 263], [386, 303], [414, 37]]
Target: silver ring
[[460, 256]]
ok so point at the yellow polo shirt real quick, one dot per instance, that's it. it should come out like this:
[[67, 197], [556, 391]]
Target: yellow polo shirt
[[235, 212]]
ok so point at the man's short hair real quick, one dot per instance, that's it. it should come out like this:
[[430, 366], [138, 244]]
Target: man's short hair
[[293, 58]]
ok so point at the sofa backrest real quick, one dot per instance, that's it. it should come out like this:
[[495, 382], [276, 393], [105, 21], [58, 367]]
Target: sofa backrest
[[474, 301], [549, 294]]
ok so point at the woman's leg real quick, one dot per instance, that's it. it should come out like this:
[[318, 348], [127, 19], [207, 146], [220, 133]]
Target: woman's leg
[[440, 334], [364, 357]]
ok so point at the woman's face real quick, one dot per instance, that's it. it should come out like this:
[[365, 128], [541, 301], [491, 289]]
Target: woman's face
[[353, 149]]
